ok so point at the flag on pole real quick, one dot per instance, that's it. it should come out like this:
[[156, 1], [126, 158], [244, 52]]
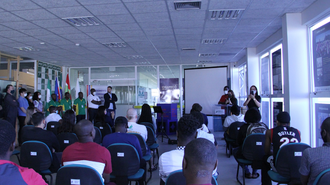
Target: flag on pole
[[77, 88], [57, 91], [67, 85], [49, 91]]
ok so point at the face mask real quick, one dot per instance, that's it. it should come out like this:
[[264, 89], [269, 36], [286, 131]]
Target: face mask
[[30, 97], [254, 91], [56, 112], [94, 93], [12, 91], [25, 94], [39, 96], [226, 92]]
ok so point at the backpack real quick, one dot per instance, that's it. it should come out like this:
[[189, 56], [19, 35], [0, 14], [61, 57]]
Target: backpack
[[256, 128]]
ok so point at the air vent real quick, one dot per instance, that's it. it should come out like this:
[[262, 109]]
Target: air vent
[[141, 63], [82, 21], [205, 61], [26, 48], [225, 14], [116, 45], [188, 49], [208, 55], [187, 5], [214, 41], [134, 57]]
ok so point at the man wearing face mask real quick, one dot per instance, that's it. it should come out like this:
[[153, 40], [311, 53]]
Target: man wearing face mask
[[316, 160], [23, 105], [225, 96], [93, 104], [10, 106]]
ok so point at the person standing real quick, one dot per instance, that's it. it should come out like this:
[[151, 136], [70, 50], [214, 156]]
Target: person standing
[[110, 104], [253, 100], [93, 104], [66, 102], [29, 99], [79, 106], [10, 106], [37, 102], [23, 105], [225, 96]]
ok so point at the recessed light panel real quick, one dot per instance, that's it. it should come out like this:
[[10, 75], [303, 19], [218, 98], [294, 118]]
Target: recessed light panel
[[82, 21], [26, 48], [225, 14]]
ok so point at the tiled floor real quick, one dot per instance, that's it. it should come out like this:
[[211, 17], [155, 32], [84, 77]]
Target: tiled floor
[[226, 166]]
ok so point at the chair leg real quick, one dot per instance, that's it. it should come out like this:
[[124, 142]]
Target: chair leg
[[150, 167], [243, 175], [237, 174]]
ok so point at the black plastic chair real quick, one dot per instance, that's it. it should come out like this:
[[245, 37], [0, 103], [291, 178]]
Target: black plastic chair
[[146, 157], [78, 174], [253, 150], [287, 163], [147, 124], [98, 136], [177, 178], [231, 138], [37, 155], [104, 128], [323, 178], [152, 141], [66, 139], [53, 126], [125, 162]]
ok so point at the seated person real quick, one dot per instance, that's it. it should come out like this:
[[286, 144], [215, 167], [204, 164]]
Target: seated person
[[53, 116], [39, 134], [316, 160], [200, 159], [198, 108], [235, 116], [87, 152], [133, 127], [203, 131], [68, 122], [252, 118], [278, 136], [172, 160], [29, 112], [11, 173]]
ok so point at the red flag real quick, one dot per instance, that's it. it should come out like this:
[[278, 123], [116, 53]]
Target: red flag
[[67, 85]]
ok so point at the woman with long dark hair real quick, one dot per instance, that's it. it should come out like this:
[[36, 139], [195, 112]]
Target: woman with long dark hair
[[68, 122], [253, 100], [37, 102], [100, 115], [231, 98], [29, 99], [146, 116]]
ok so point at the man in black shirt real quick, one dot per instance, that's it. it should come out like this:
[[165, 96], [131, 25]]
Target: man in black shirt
[[10, 106], [39, 134]]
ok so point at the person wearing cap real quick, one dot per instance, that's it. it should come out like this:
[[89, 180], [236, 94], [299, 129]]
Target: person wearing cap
[[278, 136]]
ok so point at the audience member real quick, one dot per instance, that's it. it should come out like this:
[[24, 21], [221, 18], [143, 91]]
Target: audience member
[[39, 134], [29, 99], [277, 137], [10, 106], [11, 173], [133, 127], [37, 102], [23, 105], [29, 112], [66, 102], [146, 116], [68, 122], [252, 118], [316, 160], [198, 108], [87, 152], [253, 100], [203, 131], [225, 96], [79, 105], [172, 160], [53, 116], [235, 116], [231, 100], [200, 159], [93, 104]]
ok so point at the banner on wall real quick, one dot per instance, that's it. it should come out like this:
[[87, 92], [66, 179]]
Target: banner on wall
[[169, 90], [322, 111], [321, 57]]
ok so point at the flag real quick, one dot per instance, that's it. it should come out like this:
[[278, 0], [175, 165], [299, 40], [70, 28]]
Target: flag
[[67, 85], [49, 91], [77, 88], [57, 90], [61, 92]]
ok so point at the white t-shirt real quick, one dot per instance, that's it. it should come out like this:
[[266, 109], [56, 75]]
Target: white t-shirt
[[136, 128], [90, 104], [53, 117], [233, 118], [205, 135]]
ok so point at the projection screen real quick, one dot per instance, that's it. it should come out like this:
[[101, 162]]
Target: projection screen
[[204, 86]]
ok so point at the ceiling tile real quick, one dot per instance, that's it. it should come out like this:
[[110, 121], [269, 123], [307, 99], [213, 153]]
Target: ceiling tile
[[56, 3], [89, 2], [21, 25], [18, 5], [94, 29], [11, 34], [38, 14], [125, 27], [52, 23], [116, 19], [107, 9], [8, 17], [147, 7], [36, 32], [74, 11]]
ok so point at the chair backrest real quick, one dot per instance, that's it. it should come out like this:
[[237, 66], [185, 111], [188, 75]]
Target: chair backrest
[[36, 155], [288, 159], [53, 126], [142, 142], [78, 174], [177, 178], [253, 149], [98, 135], [104, 128], [65, 139], [148, 124], [151, 136], [323, 178], [125, 159], [234, 129]]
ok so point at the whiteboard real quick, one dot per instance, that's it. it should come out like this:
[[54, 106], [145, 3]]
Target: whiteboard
[[204, 86]]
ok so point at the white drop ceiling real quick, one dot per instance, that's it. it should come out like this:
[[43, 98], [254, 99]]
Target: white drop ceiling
[[152, 29]]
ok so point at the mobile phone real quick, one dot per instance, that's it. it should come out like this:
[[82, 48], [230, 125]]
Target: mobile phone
[[251, 92]]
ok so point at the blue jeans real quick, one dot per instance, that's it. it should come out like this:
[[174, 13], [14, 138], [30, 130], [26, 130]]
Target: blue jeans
[[108, 118]]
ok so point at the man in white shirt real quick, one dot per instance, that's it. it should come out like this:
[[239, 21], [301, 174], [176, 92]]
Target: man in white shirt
[[172, 160], [93, 104], [235, 116], [53, 116], [133, 127]]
